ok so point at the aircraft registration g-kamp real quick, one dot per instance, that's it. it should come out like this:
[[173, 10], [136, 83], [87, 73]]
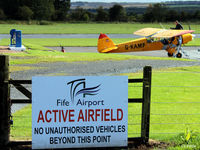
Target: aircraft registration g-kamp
[[153, 39]]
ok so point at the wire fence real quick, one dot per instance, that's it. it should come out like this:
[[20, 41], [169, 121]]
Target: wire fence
[[175, 106]]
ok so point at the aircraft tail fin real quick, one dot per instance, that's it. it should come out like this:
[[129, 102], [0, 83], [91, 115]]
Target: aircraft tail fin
[[105, 44]]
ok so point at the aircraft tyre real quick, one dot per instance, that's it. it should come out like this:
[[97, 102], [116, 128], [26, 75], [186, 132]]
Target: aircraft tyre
[[170, 54], [179, 55]]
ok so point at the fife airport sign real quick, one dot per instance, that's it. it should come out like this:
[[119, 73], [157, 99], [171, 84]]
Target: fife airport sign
[[78, 112]]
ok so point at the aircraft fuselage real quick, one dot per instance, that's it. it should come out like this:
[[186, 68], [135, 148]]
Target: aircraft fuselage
[[141, 44]]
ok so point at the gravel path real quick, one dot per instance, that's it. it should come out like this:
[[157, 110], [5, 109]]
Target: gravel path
[[97, 68], [89, 68]]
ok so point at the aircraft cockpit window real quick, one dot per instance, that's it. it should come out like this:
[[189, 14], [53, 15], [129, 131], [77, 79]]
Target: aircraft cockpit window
[[150, 40], [165, 41]]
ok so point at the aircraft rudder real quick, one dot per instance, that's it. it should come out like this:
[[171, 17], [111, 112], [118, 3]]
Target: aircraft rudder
[[104, 42]]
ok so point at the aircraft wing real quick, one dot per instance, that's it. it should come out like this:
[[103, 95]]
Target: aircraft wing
[[147, 31], [171, 33]]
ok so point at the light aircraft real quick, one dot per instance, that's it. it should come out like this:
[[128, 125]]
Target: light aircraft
[[153, 39]]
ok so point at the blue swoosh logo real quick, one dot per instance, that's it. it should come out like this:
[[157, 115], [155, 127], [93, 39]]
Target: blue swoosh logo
[[89, 91]]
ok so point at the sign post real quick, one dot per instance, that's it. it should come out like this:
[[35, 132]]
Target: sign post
[[78, 112]]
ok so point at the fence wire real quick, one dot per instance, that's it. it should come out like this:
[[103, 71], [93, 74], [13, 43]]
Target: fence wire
[[175, 105]]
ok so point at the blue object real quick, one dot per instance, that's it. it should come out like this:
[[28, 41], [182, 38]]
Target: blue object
[[16, 38]]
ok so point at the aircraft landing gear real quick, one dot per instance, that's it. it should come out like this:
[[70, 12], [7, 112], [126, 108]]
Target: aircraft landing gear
[[178, 55], [170, 54]]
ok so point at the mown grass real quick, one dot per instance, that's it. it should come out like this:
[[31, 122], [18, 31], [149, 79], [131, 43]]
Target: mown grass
[[174, 107], [87, 28], [195, 42], [22, 122], [80, 42], [175, 104], [40, 56], [36, 53], [54, 42]]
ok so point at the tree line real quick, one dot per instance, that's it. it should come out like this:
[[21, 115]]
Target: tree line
[[59, 10], [34, 9]]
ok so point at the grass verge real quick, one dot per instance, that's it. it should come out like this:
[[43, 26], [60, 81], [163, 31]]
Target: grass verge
[[87, 28], [36, 53], [82, 42], [39, 56], [174, 108], [55, 42]]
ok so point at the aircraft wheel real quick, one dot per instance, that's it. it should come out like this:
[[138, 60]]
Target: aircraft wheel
[[179, 55], [170, 54]]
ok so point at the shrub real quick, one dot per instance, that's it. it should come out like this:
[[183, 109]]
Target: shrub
[[2, 15], [25, 13], [44, 22]]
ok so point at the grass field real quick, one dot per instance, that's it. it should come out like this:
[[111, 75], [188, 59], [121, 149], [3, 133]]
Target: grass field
[[63, 41], [87, 28], [175, 106], [175, 92], [39, 56], [55, 42]]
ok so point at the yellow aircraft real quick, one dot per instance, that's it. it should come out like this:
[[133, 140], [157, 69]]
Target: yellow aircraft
[[154, 39]]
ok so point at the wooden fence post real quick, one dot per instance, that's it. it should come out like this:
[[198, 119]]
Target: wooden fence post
[[146, 104], [4, 100]]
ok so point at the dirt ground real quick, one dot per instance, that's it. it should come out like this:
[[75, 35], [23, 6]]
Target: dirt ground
[[152, 144], [5, 49]]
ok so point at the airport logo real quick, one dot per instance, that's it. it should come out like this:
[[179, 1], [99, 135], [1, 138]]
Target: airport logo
[[78, 87]]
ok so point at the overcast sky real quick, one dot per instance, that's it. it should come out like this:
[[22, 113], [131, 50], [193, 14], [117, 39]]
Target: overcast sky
[[127, 0]]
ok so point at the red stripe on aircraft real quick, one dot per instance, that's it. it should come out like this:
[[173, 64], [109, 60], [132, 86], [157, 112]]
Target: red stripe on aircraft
[[102, 36], [185, 32]]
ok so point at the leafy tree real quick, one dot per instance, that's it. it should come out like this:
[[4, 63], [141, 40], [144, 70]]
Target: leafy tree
[[172, 15], [184, 16], [156, 12], [91, 16], [25, 13], [10, 7], [102, 15], [140, 17], [132, 18], [197, 15], [43, 9], [79, 14], [2, 15], [117, 13], [86, 17], [61, 9], [148, 14]]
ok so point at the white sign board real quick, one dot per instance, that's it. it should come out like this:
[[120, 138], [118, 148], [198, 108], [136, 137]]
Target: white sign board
[[73, 112]]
